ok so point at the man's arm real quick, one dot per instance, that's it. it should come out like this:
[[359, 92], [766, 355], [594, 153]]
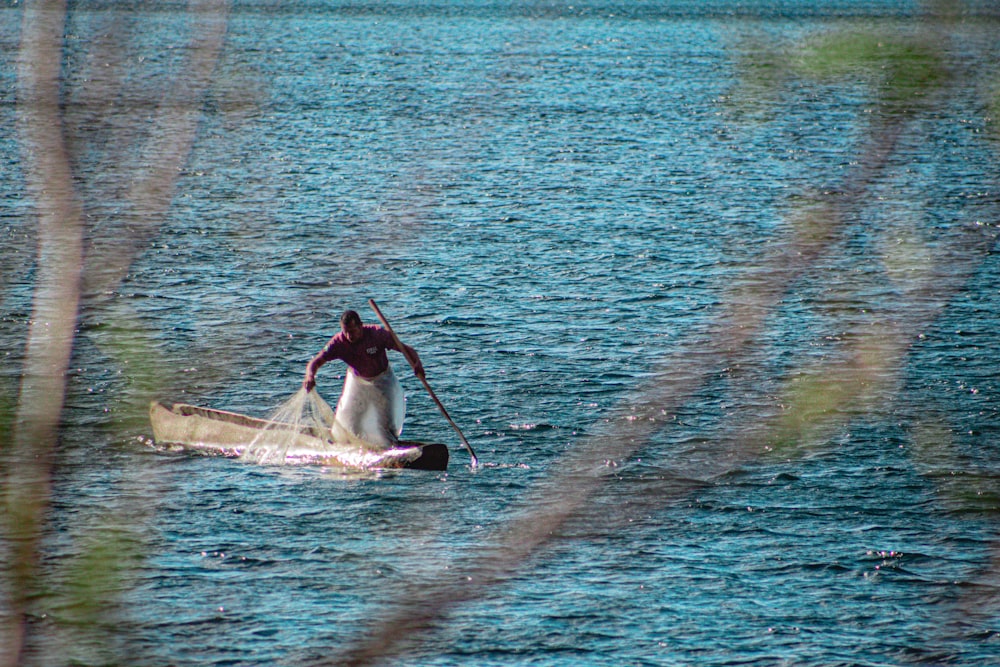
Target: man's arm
[[314, 364], [325, 355], [414, 359], [389, 341]]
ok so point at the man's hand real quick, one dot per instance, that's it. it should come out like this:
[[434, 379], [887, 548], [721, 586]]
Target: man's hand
[[413, 359], [309, 383]]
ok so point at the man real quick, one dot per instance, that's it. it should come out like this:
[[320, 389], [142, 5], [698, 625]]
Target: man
[[371, 407]]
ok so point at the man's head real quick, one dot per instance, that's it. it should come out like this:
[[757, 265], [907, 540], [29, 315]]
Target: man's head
[[350, 324]]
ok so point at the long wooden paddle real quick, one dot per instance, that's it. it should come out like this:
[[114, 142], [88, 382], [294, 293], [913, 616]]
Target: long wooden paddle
[[399, 344]]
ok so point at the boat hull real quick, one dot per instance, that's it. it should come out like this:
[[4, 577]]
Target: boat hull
[[230, 434]]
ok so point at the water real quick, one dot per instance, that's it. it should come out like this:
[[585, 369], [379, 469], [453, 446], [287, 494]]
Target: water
[[584, 219]]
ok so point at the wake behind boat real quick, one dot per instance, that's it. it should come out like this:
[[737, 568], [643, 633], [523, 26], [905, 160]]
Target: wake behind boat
[[232, 434]]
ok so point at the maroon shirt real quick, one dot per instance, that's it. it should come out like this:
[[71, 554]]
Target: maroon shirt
[[367, 356]]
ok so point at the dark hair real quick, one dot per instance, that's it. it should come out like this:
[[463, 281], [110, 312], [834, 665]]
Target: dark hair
[[350, 316]]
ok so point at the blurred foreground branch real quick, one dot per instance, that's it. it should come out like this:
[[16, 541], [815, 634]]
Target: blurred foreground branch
[[60, 261], [821, 399], [54, 313]]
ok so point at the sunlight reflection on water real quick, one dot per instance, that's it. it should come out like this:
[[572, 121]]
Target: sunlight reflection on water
[[548, 208]]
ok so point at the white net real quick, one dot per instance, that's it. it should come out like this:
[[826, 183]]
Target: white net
[[301, 422], [368, 421]]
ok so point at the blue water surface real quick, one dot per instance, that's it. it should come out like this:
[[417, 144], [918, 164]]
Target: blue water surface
[[722, 331]]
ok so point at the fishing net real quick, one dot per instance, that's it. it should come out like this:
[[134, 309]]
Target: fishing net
[[299, 424], [368, 420]]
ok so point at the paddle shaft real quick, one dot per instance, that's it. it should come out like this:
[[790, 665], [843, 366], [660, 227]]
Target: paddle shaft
[[427, 386]]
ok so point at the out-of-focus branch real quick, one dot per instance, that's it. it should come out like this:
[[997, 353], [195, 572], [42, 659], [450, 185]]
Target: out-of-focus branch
[[54, 311], [60, 262], [109, 259], [823, 400]]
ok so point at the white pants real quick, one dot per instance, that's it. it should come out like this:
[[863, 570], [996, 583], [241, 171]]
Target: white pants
[[370, 412]]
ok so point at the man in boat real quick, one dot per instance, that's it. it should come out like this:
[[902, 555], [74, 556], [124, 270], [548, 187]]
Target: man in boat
[[371, 407]]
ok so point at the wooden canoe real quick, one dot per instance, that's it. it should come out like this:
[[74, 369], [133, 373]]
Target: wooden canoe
[[230, 434]]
